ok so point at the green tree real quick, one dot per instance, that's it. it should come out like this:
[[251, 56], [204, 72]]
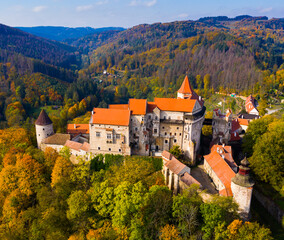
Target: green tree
[[267, 159], [255, 129], [176, 151]]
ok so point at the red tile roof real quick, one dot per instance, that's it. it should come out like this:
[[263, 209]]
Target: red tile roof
[[77, 146], [250, 103], [107, 116], [235, 125], [186, 87], [138, 106], [188, 179], [78, 128], [175, 105], [222, 170], [227, 152], [175, 165], [243, 121], [73, 145], [85, 147], [151, 106], [118, 106]]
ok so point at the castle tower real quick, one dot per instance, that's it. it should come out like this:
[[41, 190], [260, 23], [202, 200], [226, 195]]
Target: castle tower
[[242, 186], [186, 91], [44, 127]]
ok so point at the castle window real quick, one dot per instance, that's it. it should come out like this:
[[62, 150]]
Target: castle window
[[169, 118], [170, 134], [180, 134], [165, 134], [39, 134], [98, 134], [166, 141], [136, 129], [175, 134], [99, 148], [177, 127], [109, 149], [108, 136], [175, 140], [43, 129], [156, 118], [117, 136], [155, 130], [163, 127], [119, 150], [164, 117], [149, 117]]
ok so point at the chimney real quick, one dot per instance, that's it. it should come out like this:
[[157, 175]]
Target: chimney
[[92, 112], [199, 98], [223, 145], [235, 134], [217, 149], [223, 156], [74, 126]]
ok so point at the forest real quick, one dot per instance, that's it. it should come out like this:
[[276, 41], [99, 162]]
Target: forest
[[44, 196]]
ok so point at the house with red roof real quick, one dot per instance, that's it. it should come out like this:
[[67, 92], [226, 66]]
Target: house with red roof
[[251, 105], [219, 165], [177, 175]]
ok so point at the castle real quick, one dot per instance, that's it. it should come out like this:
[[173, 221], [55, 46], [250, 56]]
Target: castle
[[153, 128], [137, 128]]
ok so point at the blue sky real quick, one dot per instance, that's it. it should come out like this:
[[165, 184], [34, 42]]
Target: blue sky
[[127, 13]]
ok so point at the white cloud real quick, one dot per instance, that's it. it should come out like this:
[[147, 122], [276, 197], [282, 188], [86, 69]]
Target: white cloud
[[84, 8], [265, 10], [103, 2], [39, 8], [183, 15], [143, 3]]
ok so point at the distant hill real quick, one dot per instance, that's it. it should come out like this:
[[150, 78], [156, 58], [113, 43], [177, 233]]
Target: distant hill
[[233, 51], [64, 33], [13, 40]]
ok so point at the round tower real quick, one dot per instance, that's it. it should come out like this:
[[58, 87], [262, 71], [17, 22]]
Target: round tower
[[44, 127], [242, 186]]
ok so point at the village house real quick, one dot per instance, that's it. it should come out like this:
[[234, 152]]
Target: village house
[[177, 175], [244, 120], [251, 105]]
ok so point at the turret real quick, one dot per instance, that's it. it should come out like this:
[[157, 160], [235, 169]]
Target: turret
[[242, 186], [44, 127], [186, 91]]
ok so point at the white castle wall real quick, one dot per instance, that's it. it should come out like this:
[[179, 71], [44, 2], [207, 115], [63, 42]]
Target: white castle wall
[[43, 132], [242, 195]]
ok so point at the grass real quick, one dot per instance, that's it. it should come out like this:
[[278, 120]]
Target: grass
[[213, 102], [49, 110]]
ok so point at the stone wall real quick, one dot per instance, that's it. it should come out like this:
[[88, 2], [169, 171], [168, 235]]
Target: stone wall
[[109, 139], [269, 205]]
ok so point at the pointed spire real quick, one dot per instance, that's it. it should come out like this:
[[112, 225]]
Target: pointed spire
[[43, 119], [186, 87]]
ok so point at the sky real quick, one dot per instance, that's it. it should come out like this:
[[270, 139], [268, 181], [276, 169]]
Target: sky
[[127, 13]]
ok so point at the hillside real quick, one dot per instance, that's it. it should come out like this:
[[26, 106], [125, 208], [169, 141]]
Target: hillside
[[13, 40], [234, 52], [63, 33]]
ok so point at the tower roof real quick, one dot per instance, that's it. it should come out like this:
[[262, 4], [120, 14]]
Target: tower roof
[[43, 119], [186, 87], [243, 177]]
